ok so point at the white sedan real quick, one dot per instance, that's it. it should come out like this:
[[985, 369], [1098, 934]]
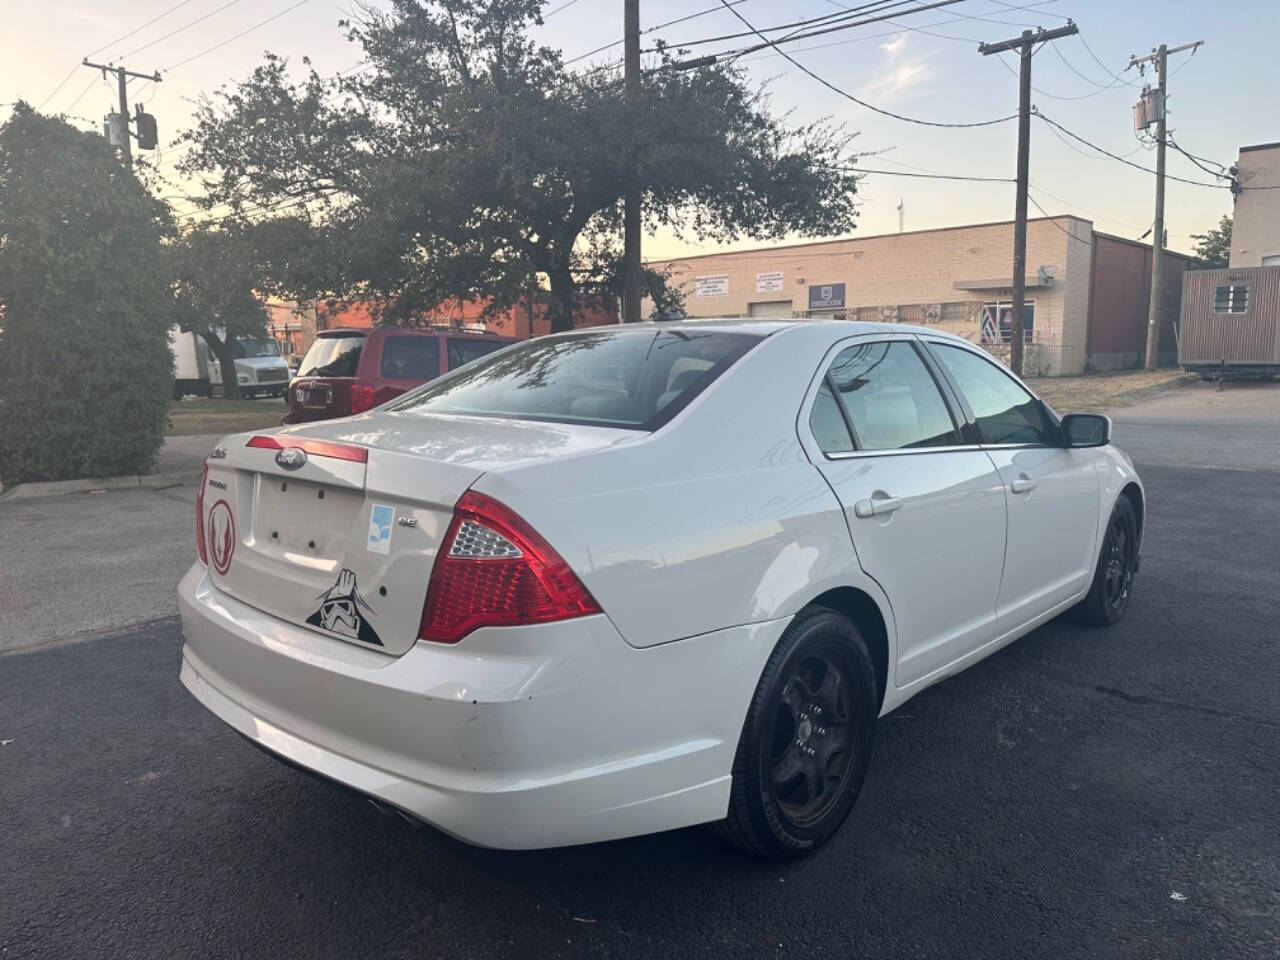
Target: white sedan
[[627, 579]]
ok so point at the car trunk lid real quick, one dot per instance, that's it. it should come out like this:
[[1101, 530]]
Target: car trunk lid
[[342, 536]]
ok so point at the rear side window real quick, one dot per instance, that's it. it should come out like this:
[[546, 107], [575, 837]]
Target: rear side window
[[891, 398], [827, 422], [410, 358], [631, 378], [464, 351], [1005, 412], [332, 357]]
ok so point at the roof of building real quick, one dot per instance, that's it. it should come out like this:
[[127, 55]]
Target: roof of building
[[1260, 146], [859, 238]]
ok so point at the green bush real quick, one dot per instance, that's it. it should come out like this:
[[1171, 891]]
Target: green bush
[[85, 308]]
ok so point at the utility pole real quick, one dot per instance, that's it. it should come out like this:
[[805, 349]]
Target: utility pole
[[1154, 309], [631, 209], [1025, 46], [122, 77]]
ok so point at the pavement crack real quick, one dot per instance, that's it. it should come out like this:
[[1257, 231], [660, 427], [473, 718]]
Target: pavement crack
[[1143, 700]]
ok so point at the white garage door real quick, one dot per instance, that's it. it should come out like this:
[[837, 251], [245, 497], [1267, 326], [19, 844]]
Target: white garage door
[[770, 308]]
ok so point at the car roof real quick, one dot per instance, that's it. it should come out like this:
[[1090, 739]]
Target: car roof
[[765, 327], [412, 331]]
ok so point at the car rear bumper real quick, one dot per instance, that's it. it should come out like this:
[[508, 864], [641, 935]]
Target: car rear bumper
[[516, 738]]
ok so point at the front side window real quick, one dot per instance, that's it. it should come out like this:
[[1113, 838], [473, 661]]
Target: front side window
[[410, 358], [635, 379], [891, 398], [1004, 411], [1231, 299]]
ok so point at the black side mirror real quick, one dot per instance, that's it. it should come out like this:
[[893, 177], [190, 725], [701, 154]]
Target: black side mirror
[[1086, 429]]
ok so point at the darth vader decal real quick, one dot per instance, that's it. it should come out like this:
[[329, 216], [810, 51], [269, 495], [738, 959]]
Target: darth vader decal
[[344, 612]]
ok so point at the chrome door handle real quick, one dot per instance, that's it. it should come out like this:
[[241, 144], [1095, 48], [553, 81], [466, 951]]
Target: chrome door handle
[[876, 506], [1023, 484]]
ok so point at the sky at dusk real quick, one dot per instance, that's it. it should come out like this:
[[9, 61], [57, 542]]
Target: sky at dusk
[[924, 65]]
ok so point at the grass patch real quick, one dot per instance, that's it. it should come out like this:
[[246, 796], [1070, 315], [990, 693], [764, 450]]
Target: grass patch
[[1097, 392], [223, 416]]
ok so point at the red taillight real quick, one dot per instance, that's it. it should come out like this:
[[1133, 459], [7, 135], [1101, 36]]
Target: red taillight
[[493, 569], [361, 397], [200, 550]]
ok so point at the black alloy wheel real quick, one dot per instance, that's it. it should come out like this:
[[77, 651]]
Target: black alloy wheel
[[812, 737], [807, 739], [1112, 586]]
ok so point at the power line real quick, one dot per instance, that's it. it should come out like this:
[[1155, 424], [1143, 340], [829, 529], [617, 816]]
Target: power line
[[260, 23], [83, 92], [863, 103], [112, 43], [1101, 87], [877, 36], [924, 176], [1200, 162], [564, 6], [847, 13], [1115, 156], [61, 83], [187, 26], [1099, 62], [670, 23], [802, 34], [126, 36]]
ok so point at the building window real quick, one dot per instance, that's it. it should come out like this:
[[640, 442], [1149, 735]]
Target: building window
[[1231, 299], [997, 321]]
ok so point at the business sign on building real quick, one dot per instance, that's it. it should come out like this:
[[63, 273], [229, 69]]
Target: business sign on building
[[769, 282], [826, 296], [717, 286]]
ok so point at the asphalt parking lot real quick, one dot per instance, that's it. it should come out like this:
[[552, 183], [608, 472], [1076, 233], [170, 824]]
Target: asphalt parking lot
[[1083, 793]]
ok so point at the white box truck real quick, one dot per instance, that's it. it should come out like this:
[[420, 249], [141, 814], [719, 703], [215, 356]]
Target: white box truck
[[260, 370]]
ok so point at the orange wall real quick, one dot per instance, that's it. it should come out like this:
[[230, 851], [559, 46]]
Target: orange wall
[[513, 322]]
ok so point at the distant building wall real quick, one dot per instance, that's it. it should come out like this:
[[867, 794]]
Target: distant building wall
[[1255, 232], [1120, 294], [956, 278], [512, 322]]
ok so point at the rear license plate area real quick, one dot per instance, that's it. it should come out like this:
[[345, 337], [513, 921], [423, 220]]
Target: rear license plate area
[[315, 396], [303, 521]]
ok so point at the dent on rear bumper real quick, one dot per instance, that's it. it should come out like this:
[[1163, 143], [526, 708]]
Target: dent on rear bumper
[[519, 737]]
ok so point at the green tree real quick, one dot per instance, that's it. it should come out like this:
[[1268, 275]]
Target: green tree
[[85, 307], [216, 274], [1213, 247], [467, 159]]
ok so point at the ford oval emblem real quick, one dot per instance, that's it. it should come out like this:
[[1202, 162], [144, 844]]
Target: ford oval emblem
[[291, 458]]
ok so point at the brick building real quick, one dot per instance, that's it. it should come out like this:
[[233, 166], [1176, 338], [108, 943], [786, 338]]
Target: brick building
[[1088, 291], [294, 325]]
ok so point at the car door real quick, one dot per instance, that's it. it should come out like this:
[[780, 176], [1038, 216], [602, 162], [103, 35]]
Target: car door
[[925, 510], [1052, 490]]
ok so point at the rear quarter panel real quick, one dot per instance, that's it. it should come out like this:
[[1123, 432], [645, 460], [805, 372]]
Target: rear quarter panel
[[717, 519]]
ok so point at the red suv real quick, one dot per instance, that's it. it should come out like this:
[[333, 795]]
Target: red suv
[[350, 371]]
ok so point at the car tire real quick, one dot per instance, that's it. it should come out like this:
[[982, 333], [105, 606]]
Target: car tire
[[1112, 586], [807, 739]]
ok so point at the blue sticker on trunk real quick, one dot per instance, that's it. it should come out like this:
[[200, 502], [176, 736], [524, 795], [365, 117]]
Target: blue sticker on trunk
[[380, 520]]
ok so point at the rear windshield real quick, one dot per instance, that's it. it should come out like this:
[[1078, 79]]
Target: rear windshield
[[332, 357], [637, 379]]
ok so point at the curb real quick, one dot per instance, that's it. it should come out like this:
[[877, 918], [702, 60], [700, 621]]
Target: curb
[[56, 488]]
